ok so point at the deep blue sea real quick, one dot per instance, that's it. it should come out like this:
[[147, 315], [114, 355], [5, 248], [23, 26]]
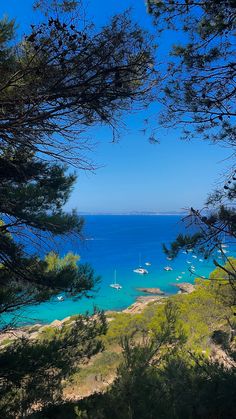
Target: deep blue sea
[[114, 242]]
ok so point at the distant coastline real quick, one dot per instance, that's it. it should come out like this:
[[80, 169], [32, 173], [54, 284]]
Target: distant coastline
[[135, 213]]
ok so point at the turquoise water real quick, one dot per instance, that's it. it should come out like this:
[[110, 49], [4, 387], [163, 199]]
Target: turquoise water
[[115, 242]]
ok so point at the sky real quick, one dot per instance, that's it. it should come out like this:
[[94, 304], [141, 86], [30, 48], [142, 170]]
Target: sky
[[134, 175]]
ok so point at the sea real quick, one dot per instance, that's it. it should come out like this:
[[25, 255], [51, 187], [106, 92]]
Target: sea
[[120, 243]]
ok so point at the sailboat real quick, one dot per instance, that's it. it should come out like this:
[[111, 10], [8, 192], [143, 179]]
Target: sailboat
[[168, 268], [115, 284], [140, 270]]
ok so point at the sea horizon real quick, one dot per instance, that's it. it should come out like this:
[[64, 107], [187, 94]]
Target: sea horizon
[[135, 213]]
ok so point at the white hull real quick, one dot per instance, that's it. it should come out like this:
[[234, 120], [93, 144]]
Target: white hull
[[116, 286], [141, 271]]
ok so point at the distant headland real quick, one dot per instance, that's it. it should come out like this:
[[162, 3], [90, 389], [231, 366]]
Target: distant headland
[[180, 213]]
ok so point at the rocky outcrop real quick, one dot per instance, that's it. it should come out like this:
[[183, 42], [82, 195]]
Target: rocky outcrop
[[185, 287], [142, 303], [156, 291]]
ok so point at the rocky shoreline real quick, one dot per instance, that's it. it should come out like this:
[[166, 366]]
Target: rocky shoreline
[[32, 332], [141, 303]]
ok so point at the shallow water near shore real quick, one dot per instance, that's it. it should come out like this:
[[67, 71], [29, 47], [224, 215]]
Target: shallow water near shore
[[115, 242]]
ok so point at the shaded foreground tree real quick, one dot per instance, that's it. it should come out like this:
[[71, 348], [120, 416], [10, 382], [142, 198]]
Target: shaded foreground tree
[[32, 197], [64, 77], [198, 94], [57, 82], [32, 372], [199, 91], [179, 389], [159, 378]]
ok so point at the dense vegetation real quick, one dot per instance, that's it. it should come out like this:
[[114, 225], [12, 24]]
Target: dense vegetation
[[32, 371], [199, 91], [198, 97], [174, 360], [56, 82]]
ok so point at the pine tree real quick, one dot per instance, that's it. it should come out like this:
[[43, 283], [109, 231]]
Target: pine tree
[[55, 83], [198, 95]]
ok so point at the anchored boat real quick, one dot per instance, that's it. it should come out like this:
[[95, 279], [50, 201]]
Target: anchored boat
[[115, 284]]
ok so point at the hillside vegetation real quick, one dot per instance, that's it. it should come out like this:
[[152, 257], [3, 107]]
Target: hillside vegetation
[[176, 359]]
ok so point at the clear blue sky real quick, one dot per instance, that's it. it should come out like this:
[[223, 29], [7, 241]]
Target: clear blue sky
[[135, 175]]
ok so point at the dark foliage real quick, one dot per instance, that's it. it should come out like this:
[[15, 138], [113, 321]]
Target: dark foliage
[[198, 95], [57, 82], [64, 77], [32, 372], [159, 379], [199, 91]]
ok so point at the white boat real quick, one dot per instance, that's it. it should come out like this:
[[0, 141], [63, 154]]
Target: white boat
[[188, 261], [115, 284], [193, 256], [184, 252], [147, 263], [140, 270], [60, 298], [183, 272], [190, 250], [168, 268], [168, 258], [200, 260]]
